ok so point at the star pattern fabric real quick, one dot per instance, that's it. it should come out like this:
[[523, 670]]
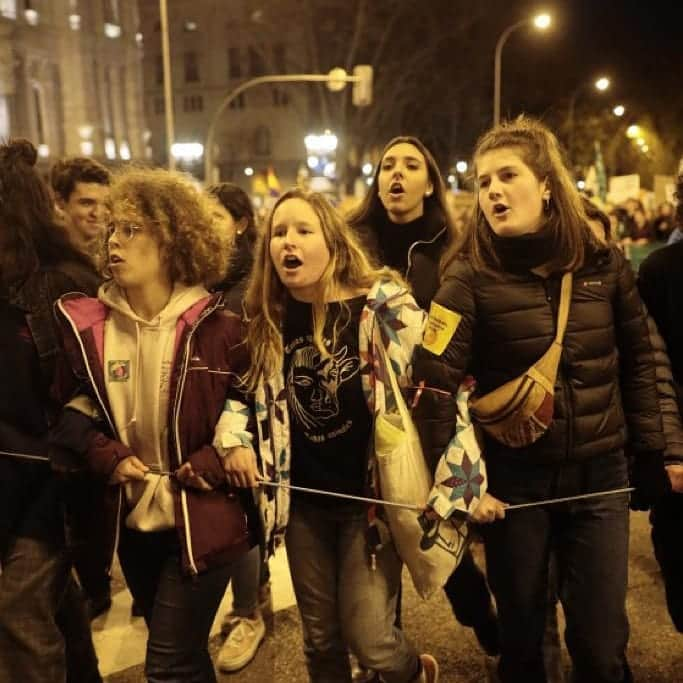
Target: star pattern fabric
[[460, 477]]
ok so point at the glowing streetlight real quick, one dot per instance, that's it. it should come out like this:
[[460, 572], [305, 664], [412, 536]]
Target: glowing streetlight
[[541, 22], [619, 110], [633, 131], [321, 144], [461, 167], [601, 84], [187, 151]]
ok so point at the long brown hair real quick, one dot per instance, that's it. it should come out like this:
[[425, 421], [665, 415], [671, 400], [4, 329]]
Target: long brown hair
[[30, 238], [566, 217], [266, 296], [371, 210]]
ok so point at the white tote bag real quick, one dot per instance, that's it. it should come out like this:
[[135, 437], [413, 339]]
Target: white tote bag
[[431, 549]]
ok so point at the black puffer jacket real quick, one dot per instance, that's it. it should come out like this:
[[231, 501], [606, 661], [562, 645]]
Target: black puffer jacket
[[606, 381]]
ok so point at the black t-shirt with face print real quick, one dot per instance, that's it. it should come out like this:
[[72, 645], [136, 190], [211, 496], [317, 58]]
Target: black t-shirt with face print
[[329, 419]]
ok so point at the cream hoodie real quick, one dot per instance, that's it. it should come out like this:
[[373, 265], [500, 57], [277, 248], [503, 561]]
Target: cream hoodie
[[138, 360]]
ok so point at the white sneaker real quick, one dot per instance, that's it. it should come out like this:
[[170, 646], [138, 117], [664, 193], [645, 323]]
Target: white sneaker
[[430, 669], [242, 642]]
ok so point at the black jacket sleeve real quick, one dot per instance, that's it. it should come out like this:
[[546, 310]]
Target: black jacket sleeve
[[668, 399], [441, 373], [637, 366]]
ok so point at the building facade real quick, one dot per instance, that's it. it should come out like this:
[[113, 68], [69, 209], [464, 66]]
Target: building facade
[[215, 46], [71, 78]]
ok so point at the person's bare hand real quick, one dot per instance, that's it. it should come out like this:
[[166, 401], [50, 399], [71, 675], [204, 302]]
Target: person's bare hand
[[489, 510], [129, 469], [675, 473], [240, 467], [186, 476]]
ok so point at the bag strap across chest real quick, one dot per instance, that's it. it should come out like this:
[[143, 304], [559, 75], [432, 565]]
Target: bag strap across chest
[[544, 370]]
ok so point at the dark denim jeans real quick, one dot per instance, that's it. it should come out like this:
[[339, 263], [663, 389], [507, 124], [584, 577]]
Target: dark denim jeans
[[590, 540], [179, 610], [44, 627], [667, 538], [246, 575], [343, 602]]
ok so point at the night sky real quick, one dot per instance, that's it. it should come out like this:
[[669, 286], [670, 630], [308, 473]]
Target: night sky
[[638, 44]]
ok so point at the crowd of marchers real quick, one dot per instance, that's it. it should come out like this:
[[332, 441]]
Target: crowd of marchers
[[185, 390]]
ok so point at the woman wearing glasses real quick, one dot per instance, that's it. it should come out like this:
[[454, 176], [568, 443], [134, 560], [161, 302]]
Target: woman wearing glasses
[[154, 366]]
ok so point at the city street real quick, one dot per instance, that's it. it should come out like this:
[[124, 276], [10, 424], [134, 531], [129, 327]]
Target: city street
[[655, 650]]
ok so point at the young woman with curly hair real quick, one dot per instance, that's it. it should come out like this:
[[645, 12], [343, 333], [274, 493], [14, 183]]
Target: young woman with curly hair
[[154, 409]]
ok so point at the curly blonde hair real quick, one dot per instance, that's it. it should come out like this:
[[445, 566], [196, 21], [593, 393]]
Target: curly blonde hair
[[266, 296], [192, 243]]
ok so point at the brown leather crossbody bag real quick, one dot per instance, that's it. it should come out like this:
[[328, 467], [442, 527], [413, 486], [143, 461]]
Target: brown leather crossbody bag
[[520, 411]]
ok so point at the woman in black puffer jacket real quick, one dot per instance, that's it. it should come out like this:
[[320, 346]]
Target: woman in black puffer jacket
[[502, 285]]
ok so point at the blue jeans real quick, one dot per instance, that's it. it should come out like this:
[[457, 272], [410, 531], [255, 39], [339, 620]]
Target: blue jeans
[[246, 574], [590, 541], [44, 627], [344, 603], [179, 610]]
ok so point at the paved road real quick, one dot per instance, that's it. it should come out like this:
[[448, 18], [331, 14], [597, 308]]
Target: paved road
[[655, 650]]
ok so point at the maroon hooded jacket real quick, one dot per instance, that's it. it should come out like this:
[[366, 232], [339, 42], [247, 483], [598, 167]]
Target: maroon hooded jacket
[[209, 357]]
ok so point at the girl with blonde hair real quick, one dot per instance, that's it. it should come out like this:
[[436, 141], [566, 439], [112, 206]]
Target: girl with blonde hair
[[317, 313]]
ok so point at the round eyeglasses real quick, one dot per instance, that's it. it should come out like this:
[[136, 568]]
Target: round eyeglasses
[[124, 231]]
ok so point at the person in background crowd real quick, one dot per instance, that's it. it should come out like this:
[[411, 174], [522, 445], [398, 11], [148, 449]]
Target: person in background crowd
[[81, 189], [501, 289], [660, 281], [236, 214], [44, 627], [244, 626], [639, 227], [313, 302], [405, 223], [664, 222], [153, 368]]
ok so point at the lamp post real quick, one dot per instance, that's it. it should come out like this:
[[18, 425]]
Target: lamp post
[[600, 84], [336, 79], [168, 88], [541, 22]]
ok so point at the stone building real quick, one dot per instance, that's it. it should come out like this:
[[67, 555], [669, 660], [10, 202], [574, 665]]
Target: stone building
[[71, 77], [215, 46]]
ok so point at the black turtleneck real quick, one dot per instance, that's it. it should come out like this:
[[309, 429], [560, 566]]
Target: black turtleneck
[[521, 253], [395, 239]]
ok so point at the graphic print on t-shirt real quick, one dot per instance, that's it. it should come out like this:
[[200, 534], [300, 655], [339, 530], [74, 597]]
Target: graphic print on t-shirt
[[313, 387]]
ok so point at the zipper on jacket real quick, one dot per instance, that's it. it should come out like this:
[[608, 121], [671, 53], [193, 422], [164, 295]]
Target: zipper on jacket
[[414, 244], [176, 430], [562, 377], [88, 369]]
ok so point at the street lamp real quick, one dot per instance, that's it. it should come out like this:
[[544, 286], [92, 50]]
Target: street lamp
[[541, 22], [361, 97], [600, 84]]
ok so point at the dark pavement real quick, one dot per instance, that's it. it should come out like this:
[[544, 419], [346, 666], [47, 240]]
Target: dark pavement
[[655, 649]]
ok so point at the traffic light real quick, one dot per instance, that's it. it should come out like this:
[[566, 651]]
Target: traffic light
[[362, 88]]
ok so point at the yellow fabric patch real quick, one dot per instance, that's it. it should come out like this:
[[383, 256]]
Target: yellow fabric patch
[[441, 326]]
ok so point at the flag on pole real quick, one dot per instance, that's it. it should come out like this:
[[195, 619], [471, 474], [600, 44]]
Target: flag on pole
[[272, 182], [601, 175]]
